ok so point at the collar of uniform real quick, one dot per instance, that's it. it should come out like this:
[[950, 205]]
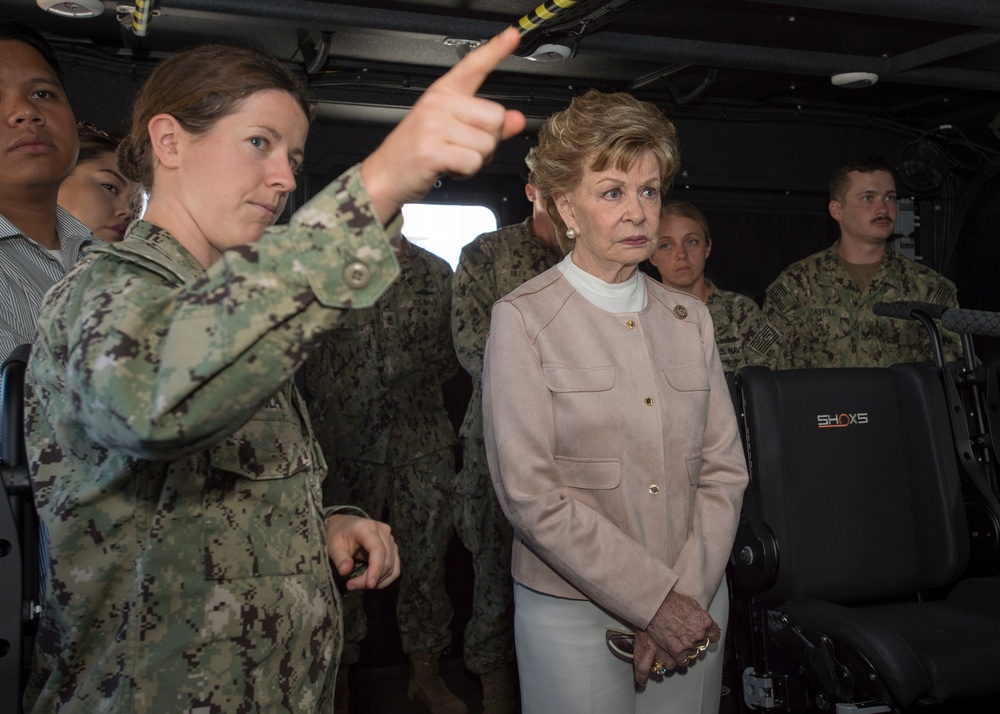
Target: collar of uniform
[[888, 274], [145, 242], [712, 291]]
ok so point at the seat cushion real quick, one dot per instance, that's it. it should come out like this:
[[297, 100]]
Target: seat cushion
[[978, 595], [903, 673], [927, 649]]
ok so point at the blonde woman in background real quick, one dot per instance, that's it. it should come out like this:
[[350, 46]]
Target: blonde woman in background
[[743, 335]]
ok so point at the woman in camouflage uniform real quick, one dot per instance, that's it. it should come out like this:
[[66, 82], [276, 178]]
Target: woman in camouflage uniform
[[173, 462], [742, 335]]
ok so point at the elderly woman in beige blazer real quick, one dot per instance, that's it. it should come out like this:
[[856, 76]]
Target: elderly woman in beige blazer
[[611, 437]]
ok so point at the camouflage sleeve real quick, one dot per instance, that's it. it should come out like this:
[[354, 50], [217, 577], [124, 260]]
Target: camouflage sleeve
[[445, 360], [761, 339], [952, 343], [159, 370], [942, 291], [472, 301], [779, 314], [345, 510]]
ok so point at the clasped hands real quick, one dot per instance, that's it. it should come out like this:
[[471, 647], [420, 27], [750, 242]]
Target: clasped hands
[[679, 631]]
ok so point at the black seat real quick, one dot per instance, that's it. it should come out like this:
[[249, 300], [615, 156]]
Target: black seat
[[18, 537], [848, 565], [971, 393]]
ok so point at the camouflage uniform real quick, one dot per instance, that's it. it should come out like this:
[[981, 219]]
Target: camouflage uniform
[[826, 320], [744, 337], [490, 267], [175, 469], [379, 416]]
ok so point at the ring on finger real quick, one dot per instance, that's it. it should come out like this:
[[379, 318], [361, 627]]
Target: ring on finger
[[704, 645], [659, 668]]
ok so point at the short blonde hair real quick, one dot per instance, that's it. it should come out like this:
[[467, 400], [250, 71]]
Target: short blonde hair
[[606, 129], [683, 209]]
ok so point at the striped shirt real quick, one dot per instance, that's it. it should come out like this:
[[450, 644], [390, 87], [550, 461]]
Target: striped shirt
[[28, 270]]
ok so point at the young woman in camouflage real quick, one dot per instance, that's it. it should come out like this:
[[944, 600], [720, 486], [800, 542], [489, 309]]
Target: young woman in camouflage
[[742, 335], [173, 462]]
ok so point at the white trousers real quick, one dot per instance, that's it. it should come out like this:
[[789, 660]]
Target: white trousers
[[565, 666]]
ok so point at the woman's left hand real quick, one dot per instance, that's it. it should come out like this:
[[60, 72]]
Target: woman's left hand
[[683, 628], [649, 658], [349, 537]]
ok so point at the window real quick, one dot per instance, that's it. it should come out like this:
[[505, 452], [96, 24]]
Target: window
[[444, 228]]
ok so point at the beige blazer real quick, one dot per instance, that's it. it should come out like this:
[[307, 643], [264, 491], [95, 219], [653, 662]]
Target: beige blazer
[[612, 445]]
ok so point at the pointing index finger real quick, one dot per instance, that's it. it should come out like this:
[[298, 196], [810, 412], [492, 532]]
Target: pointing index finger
[[468, 75]]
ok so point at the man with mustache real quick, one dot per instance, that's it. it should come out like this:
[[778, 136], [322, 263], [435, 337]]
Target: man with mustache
[[38, 147], [822, 305]]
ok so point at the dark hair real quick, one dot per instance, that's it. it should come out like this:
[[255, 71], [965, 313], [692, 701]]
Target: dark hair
[[17, 31], [94, 141], [198, 87], [861, 164]]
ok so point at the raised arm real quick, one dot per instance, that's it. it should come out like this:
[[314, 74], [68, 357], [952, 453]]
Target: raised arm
[[448, 131]]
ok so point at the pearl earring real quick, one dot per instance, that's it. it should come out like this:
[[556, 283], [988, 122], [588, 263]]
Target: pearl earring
[[570, 233]]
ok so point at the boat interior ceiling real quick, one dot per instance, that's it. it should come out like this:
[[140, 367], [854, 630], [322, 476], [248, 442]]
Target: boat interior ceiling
[[934, 63], [768, 96]]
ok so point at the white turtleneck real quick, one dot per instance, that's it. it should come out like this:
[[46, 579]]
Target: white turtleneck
[[629, 296]]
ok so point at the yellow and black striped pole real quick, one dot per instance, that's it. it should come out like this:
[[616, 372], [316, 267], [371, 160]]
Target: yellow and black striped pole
[[543, 14], [141, 16]]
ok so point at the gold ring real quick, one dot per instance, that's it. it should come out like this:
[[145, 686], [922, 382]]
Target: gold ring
[[658, 668], [704, 645]]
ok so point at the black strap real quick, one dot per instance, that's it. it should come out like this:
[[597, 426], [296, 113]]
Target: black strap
[[18, 537]]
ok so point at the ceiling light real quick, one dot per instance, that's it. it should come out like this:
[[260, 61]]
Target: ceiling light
[[551, 52], [854, 80], [78, 9]]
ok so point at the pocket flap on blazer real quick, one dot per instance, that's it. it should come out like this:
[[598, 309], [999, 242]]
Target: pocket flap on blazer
[[589, 474], [688, 379], [562, 378]]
